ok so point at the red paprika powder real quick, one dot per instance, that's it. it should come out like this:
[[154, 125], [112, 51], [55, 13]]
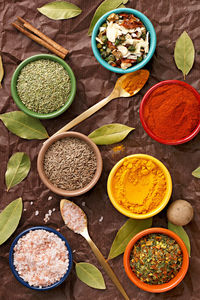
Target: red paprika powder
[[172, 112]]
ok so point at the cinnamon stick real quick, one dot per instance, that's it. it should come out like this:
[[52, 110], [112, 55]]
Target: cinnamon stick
[[40, 38], [43, 36]]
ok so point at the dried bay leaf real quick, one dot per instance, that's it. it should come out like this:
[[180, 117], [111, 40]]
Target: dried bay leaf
[[1, 71], [90, 275], [184, 53], [181, 233], [17, 169], [59, 10], [110, 134], [9, 219], [126, 233], [103, 8], [24, 126], [196, 173]]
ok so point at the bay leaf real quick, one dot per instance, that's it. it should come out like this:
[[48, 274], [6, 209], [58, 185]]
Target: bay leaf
[[126, 233], [103, 8], [24, 126], [1, 71], [9, 219], [90, 275], [181, 233], [196, 173], [110, 134], [59, 10], [184, 53], [17, 169]]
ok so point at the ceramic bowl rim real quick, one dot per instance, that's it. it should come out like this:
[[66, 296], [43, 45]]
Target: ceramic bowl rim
[[162, 204], [162, 287], [60, 191], [144, 124], [14, 271], [147, 24], [17, 99]]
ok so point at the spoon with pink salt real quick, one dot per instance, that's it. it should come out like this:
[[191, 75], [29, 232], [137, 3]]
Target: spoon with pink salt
[[76, 220]]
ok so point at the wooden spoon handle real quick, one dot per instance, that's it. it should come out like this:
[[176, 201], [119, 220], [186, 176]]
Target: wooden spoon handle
[[106, 266], [86, 114]]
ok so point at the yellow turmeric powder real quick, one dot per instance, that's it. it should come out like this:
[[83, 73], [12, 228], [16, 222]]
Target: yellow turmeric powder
[[135, 81], [139, 185]]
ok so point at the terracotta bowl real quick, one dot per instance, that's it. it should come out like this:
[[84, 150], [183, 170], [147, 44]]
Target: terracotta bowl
[[159, 288], [48, 183]]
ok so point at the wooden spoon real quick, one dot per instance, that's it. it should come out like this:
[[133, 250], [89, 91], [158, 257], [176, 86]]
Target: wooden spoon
[[126, 86], [76, 220]]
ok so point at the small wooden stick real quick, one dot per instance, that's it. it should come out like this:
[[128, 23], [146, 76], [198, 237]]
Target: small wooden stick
[[38, 40], [42, 36]]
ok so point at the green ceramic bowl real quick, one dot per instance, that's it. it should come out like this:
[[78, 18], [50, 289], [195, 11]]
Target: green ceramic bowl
[[18, 100]]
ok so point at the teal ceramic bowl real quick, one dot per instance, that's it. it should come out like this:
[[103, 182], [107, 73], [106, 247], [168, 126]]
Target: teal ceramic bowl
[[147, 23], [18, 100]]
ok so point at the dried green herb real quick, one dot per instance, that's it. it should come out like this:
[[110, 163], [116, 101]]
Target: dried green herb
[[9, 219], [59, 10], [24, 126], [181, 233], [90, 275], [126, 233], [43, 86], [1, 71], [152, 256], [196, 173], [17, 169], [184, 53], [103, 8], [110, 134]]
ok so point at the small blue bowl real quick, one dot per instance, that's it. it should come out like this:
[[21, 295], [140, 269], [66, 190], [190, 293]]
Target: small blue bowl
[[147, 23], [16, 273]]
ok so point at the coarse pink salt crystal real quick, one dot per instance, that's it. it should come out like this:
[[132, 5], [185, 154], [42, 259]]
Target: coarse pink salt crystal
[[73, 216], [41, 258]]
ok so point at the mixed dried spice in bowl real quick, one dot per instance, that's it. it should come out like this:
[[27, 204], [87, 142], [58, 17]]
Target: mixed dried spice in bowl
[[123, 40], [156, 260]]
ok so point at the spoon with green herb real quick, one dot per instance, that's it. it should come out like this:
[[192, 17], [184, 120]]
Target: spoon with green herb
[[76, 220], [126, 86]]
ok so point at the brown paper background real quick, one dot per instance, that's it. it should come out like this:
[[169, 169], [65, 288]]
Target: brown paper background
[[170, 18]]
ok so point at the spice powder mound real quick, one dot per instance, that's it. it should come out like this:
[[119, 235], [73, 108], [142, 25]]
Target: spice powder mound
[[43, 86], [41, 258], [139, 185], [70, 164]]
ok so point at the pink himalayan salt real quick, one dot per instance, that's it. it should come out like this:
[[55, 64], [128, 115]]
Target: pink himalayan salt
[[41, 258], [74, 217]]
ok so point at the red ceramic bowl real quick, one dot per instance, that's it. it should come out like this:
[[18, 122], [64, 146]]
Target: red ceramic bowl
[[160, 288], [148, 130]]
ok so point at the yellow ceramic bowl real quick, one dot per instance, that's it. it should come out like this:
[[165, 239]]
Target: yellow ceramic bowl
[[166, 196]]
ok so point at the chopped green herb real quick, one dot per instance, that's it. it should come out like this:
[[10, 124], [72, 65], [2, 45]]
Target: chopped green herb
[[43, 86], [156, 258]]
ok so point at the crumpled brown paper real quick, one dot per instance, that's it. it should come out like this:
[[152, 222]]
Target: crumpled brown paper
[[170, 19]]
